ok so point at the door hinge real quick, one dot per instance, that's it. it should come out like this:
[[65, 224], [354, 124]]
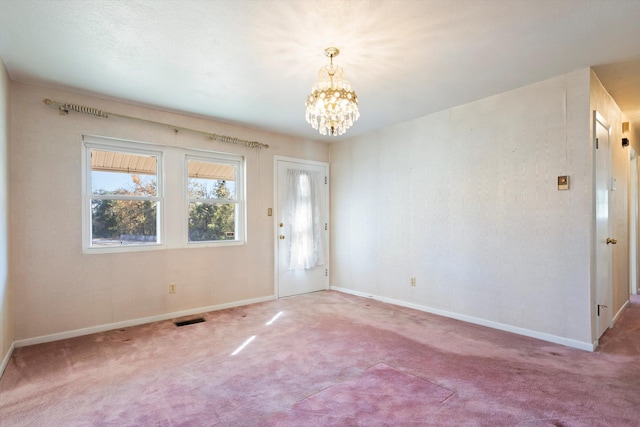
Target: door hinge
[[600, 305], [596, 143], [326, 272], [326, 226], [325, 180]]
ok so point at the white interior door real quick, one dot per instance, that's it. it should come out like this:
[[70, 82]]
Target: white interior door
[[302, 224], [604, 242], [633, 222]]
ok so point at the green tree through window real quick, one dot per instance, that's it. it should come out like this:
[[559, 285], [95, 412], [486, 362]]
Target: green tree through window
[[214, 218], [116, 220]]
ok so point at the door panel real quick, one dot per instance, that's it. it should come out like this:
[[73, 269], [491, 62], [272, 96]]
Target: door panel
[[604, 250], [291, 277], [633, 223]]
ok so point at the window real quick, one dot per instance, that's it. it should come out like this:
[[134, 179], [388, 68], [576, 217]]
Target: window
[[214, 199], [141, 196], [124, 196]]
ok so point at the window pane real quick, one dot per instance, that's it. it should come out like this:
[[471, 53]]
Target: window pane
[[211, 221], [210, 180], [123, 173], [211, 189], [123, 222], [119, 183]]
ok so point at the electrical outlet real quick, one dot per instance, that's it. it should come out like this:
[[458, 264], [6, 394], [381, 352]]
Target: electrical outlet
[[413, 281], [172, 288]]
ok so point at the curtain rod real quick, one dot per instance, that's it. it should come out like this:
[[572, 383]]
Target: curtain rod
[[65, 107]]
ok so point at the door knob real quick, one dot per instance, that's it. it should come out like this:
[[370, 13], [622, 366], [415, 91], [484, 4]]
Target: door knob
[[612, 241], [281, 237]]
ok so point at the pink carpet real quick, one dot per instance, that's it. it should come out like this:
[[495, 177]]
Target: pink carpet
[[323, 359], [380, 393]]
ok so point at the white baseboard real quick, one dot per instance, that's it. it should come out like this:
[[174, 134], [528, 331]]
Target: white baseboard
[[134, 322], [7, 357], [475, 320], [619, 313]]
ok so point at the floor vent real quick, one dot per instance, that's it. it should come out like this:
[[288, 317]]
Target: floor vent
[[189, 322]]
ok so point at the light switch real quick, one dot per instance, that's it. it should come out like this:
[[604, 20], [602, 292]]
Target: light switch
[[563, 182]]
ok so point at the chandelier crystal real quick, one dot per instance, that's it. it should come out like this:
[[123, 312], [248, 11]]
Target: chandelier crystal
[[332, 106]]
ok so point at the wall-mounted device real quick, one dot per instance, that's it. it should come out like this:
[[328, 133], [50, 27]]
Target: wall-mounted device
[[563, 182]]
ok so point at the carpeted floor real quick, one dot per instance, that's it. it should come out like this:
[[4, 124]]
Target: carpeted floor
[[323, 359]]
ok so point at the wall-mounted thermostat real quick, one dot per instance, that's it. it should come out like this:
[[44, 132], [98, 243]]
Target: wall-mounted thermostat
[[563, 182]]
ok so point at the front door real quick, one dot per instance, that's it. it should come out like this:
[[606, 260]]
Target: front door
[[302, 224], [604, 240]]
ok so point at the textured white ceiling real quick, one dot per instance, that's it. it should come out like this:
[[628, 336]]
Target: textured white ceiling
[[253, 61]]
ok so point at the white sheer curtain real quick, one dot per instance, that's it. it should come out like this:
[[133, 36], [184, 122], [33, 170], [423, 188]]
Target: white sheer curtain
[[302, 219]]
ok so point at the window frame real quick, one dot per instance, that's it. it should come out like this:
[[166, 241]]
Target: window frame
[[129, 147], [172, 193], [238, 162]]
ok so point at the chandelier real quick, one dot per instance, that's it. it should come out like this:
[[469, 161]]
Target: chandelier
[[332, 107]]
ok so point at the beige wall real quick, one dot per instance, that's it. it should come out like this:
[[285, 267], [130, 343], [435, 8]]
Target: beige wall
[[602, 102], [466, 201], [58, 288], [634, 137], [6, 290]]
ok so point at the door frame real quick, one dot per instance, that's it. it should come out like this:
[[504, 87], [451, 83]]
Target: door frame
[[599, 119], [276, 229]]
